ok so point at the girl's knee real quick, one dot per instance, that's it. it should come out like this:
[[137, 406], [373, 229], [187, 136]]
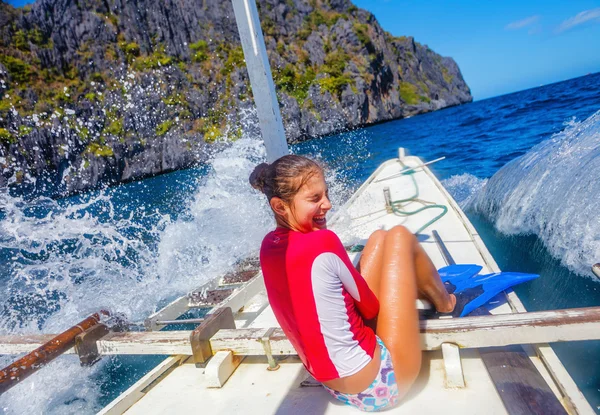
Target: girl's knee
[[378, 235], [401, 233]]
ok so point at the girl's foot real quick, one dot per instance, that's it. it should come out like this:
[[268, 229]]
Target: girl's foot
[[449, 306]]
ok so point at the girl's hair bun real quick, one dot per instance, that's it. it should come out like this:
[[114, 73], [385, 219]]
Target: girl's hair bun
[[258, 177]]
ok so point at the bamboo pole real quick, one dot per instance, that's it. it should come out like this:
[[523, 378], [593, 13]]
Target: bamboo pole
[[30, 363], [259, 72]]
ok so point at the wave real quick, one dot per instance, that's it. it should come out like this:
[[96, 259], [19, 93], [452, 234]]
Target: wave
[[463, 187], [63, 260], [552, 191], [60, 261]]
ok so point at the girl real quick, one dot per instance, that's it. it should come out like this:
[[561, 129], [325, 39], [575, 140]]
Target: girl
[[357, 334]]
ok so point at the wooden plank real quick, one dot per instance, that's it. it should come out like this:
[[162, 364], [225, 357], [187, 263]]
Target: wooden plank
[[151, 342], [200, 337], [208, 298], [572, 396], [519, 384], [220, 368], [142, 386], [240, 297], [573, 399], [209, 295], [239, 277], [170, 312], [467, 332], [453, 366], [25, 343]]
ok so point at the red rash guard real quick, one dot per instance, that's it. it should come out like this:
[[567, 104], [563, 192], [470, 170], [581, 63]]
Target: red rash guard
[[320, 301]]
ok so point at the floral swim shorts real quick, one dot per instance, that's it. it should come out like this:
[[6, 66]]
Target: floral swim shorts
[[381, 394]]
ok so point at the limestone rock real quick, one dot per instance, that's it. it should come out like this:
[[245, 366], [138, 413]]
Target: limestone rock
[[96, 92]]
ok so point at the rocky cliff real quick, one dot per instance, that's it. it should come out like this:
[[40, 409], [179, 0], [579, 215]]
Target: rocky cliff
[[103, 91]]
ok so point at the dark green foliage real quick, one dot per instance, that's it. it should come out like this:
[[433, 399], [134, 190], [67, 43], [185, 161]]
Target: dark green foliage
[[268, 26], [24, 130], [164, 127], [200, 49], [21, 41], [335, 85], [6, 137], [408, 93], [235, 58], [115, 128], [20, 71], [175, 99], [99, 150], [36, 37], [154, 61], [362, 31], [335, 62], [317, 18], [131, 50], [447, 77], [294, 84]]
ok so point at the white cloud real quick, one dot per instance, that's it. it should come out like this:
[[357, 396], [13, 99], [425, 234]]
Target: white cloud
[[583, 17], [520, 24]]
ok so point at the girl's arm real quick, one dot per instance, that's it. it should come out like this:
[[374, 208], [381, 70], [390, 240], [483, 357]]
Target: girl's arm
[[364, 299]]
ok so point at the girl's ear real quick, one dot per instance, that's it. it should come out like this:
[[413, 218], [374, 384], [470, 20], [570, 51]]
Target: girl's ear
[[278, 206]]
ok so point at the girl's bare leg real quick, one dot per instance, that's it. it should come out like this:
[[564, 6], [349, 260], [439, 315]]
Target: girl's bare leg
[[398, 320], [396, 268], [370, 262], [429, 284]]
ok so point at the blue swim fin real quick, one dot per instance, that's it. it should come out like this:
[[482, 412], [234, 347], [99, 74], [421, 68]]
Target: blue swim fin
[[476, 291], [458, 272]]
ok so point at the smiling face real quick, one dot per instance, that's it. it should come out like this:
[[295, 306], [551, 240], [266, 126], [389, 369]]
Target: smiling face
[[307, 211]]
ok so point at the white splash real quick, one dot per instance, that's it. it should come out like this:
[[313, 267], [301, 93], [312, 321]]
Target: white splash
[[64, 261], [67, 262], [463, 187], [553, 192]]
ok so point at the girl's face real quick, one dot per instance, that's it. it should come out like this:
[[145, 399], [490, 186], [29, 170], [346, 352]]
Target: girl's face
[[309, 206]]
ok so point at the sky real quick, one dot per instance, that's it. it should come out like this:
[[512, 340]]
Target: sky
[[500, 46]]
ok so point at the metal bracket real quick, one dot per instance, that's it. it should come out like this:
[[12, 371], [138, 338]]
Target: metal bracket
[[388, 199], [86, 346], [200, 337], [266, 343], [453, 366]]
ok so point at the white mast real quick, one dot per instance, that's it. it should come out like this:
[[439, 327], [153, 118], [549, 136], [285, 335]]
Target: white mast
[[263, 89]]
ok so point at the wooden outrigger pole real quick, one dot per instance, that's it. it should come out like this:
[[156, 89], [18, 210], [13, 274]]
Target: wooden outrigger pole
[[30, 363], [259, 72]]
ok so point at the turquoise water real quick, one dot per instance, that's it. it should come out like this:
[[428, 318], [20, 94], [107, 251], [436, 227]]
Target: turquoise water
[[135, 247]]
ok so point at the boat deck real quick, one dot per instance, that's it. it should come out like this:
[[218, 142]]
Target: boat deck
[[254, 389]]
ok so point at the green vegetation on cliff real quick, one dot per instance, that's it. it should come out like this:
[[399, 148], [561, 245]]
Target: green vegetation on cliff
[[92, 81]]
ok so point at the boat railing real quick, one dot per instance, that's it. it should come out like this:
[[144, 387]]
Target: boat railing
[[217, 334]]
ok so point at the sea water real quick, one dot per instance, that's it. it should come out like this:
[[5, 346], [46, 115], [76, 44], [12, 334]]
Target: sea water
[[525, 167]]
